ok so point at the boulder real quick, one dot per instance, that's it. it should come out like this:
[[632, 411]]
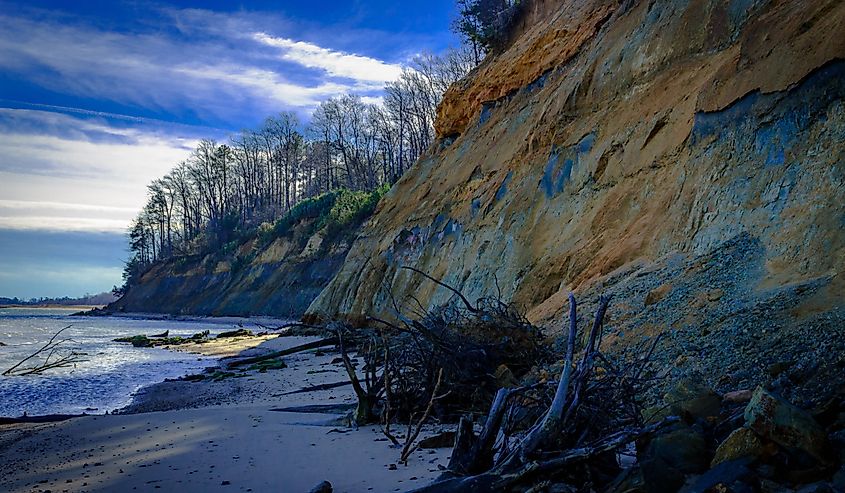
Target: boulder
[[441, 440], [324, 487], [790, 427], [738, 396], [727, 476], [743, 442], [505, 377], [694, 399], [670, 456]]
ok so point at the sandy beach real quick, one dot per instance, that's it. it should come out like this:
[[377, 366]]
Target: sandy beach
[[219, 434]]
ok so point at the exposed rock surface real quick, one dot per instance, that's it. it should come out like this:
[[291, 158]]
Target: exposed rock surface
[[280, 279], [686, 156]]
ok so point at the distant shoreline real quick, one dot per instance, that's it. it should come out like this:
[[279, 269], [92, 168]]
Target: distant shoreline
[[52, 306]]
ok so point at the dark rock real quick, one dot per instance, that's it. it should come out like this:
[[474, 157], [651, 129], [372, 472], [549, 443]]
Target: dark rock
[[818, 487], [441, 440], [838, 480], [729, 475], [743, 442], [657, 294], [235, 333], [670, 456], [790, 427], [694, 399], [505, 377], [324, 487]]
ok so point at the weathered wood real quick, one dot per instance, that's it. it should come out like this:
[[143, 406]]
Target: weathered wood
[[463, 452], [48, 418], [551, 422], [315, 388], [364, 409], [51, 349], [483, 450], [414, 432], [331, 341], [501, 478]]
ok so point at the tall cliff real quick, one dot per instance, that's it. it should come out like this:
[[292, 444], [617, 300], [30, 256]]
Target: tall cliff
[[277, 270], [686, 155]]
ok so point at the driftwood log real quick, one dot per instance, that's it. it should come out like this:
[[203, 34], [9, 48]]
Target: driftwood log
[[331, 341], [560, 440]]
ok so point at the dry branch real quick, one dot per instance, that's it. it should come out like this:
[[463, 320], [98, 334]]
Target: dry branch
[[591, 414], [414, 432], [54, 348], [331, 341]]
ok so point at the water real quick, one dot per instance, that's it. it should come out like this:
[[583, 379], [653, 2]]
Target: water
[[113, 371]]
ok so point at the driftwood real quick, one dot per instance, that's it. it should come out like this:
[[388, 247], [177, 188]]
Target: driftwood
[[369, 393], [331, 341], [414, 431], [501, 479], [570, 435], [317, 388], [291, 325], [47, 418], [57, 356]]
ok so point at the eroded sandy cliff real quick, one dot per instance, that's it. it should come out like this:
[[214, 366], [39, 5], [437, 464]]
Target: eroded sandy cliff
[[615, 146]]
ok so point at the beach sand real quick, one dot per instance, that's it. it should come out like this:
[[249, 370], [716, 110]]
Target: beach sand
[[218, 436]]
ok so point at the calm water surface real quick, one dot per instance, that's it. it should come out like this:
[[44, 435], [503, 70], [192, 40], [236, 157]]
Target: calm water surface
[[113, 371]]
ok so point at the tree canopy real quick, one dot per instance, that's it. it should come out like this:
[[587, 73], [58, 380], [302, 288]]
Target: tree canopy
[[227, 190]]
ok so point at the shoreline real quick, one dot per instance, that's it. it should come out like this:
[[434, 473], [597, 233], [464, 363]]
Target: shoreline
[[230, 431], [53, 307], [258, 320]]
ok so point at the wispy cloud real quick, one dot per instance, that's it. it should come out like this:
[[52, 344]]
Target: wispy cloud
[[335, 63], [66, 172], [216, 73]]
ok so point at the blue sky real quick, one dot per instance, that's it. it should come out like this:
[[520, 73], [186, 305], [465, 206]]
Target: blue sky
[[99, 97]]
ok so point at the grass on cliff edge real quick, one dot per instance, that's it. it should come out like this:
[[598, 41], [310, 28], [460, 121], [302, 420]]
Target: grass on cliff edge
[[337, 213]]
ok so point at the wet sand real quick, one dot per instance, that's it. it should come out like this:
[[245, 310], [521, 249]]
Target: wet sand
[[218, 436]]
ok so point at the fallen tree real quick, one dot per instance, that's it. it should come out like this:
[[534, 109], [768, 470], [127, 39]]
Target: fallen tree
[[54, 354], [331, 341], [594, 413]]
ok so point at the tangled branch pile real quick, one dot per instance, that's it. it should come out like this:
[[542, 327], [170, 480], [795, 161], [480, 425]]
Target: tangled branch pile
[[472, 345], [451, 362], [593, 416]]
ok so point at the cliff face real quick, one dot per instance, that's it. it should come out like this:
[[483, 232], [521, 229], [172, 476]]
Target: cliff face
[[279, 279], [630, 147]]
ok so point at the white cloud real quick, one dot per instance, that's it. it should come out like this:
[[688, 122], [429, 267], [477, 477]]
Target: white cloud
[[221, 75], [335, 63], [52, 223], [91, 179]]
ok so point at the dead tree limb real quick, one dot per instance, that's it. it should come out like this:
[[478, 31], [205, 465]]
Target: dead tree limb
[[500, 479], [414, 432], [552, 420], [331, 341], [367, 398], [53, 348], [460, 295]]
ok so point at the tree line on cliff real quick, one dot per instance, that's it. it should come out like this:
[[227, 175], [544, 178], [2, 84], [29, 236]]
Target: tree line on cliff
[[226, 190]]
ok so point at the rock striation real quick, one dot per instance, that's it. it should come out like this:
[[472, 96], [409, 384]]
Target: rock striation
[[685, 155]]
